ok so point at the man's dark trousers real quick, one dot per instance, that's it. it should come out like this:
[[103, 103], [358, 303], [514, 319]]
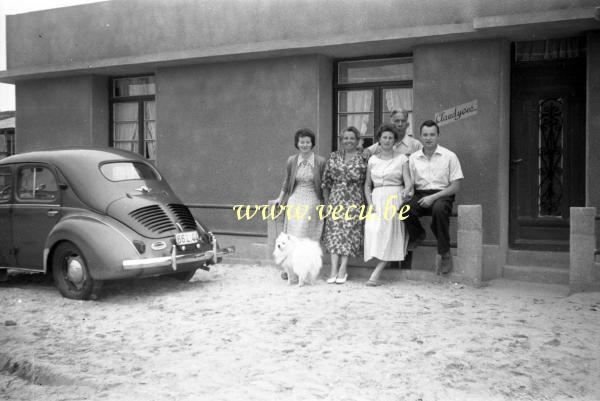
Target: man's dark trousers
[[440, 219]]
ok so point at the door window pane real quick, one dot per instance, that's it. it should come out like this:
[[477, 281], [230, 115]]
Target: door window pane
[[37, 183], [381, 70], [550, 159]]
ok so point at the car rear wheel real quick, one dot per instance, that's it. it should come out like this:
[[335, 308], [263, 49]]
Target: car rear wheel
[[71, 274], [185, 275]]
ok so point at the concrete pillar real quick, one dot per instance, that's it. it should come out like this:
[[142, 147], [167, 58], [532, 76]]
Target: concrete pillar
[[469, 266], [274, 227], [582, 244]]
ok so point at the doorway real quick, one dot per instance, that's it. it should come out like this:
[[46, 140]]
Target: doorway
[[547, 141]]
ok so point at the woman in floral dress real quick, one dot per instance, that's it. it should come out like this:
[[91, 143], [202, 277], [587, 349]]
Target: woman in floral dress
[[301, 188], [343, 183]]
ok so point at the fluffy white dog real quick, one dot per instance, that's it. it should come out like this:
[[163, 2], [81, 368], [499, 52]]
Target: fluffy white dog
[[299, 256]]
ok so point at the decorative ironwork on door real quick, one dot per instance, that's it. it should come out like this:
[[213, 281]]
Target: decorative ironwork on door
[[551, 118]]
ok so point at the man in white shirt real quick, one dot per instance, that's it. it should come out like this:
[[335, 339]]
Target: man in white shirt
[[405, 144], [436, 175]]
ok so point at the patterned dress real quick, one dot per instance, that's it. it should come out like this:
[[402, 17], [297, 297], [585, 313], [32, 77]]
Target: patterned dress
[[345, 182], [303, 220], [385, 235]]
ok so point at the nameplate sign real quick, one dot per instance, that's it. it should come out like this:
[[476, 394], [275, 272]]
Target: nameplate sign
[[456, 113]]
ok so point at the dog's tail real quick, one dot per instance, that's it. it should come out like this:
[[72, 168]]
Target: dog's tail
[[315, 261]]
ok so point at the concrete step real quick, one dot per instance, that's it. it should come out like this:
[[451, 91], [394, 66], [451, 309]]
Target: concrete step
[[517, 257], [536, 274]]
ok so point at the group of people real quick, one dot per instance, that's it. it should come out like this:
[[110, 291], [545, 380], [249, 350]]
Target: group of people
[[397, 170]]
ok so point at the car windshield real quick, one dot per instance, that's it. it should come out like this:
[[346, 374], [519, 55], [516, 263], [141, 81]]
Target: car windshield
[[123, 171]]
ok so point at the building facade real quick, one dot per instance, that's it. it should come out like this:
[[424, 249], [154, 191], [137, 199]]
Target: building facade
[[213, 91]]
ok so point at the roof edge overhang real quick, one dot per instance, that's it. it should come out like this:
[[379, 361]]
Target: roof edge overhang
[[515, 26]]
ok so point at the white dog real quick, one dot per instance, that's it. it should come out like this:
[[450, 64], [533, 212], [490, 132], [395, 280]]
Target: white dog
[[300, 256]]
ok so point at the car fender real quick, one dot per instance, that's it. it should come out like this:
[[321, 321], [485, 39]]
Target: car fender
[[103, 243]]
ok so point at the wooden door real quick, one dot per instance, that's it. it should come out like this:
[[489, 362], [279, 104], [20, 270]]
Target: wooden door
[[547, 152]]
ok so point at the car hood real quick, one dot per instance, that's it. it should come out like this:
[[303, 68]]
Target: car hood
[[156, 214]]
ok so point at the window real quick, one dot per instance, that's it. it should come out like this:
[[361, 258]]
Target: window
[[367, 91], [5, 183], [133, 115], [37, 183], [122, 171], [550, 49], [7, 143]]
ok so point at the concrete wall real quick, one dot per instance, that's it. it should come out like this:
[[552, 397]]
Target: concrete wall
[[448, 75], [129, 28], [62, 112], [226, 130]]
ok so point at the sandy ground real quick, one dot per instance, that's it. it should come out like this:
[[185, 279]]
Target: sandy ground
[[240, 333]]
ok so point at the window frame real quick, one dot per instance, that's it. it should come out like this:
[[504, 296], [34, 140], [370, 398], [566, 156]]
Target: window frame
[[140, 100], [17, 182], [376, 86]]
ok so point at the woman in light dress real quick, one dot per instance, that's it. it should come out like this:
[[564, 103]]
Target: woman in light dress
[[387, 186]]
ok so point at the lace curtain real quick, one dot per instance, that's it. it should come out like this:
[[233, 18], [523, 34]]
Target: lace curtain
[[126, 126], [359, 101], [395, 99], [150, 129]]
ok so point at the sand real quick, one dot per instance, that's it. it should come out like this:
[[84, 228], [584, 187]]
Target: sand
[[240, 333]]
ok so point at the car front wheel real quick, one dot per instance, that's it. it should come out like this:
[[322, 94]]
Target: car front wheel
[[71, 273]]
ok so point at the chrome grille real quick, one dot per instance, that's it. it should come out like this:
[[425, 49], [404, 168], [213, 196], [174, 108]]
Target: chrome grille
[[153, 218], [184, 216]]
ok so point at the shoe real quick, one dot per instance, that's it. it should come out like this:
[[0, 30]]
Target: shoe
[[373, 283], [446, 263], [413, 244], [341, 280], [284, 276], [332, 280]]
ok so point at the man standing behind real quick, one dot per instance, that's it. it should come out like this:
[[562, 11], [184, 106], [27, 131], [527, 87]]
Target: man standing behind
[[436, 175], [405, 144]]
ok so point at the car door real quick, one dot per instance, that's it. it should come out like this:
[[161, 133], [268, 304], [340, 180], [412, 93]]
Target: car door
[[36, 210], [6, 191]]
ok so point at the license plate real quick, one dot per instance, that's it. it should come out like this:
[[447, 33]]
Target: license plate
[[188, 237]]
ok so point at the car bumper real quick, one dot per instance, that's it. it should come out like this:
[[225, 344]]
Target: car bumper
[[175, 259]]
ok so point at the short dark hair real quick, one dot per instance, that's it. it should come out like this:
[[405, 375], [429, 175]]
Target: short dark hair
[[429, 123], [304, 133], [387, 128], [354, 130]]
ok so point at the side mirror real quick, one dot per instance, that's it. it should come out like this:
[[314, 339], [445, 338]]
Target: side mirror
[[62, 185]]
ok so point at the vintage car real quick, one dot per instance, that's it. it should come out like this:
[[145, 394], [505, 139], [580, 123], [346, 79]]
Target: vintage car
[[89, 215]]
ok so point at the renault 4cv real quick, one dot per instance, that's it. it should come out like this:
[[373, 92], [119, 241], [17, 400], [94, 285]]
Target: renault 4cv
[[90, 215]]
